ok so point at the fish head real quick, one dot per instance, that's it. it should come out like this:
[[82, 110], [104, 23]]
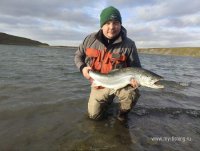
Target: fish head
[[155, 84], [152, 82]]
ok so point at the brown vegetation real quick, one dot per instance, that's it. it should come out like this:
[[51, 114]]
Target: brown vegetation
[[179, 51]]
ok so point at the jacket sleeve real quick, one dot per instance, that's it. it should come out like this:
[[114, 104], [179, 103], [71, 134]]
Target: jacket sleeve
[[133, 58], [80, 55]]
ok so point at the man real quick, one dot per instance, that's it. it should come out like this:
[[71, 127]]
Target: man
[[103, 51]]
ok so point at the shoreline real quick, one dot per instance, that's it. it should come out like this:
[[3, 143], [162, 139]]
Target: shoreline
[[176, 51]]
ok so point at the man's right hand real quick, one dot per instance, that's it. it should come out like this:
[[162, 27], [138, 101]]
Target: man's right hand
[[85, 72]]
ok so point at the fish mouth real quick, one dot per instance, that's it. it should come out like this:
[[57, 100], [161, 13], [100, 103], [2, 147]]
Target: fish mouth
[[157, 84]]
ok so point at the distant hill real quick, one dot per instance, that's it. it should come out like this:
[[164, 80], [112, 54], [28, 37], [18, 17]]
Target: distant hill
[[179, 51], [15, 40]]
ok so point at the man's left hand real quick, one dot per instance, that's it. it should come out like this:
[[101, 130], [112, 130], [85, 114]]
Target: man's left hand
[[134, 84]]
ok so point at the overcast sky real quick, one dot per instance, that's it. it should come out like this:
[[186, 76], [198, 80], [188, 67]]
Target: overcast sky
[[150, 23]]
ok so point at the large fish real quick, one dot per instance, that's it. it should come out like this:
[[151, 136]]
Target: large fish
[[120, 78]]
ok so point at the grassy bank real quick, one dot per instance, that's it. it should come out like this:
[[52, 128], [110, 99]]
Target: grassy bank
[[180, 51], [7, 39]]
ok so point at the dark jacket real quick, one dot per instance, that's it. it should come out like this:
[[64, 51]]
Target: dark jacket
[[121, 44]]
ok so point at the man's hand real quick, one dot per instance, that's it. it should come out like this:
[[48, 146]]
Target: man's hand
[[85, 72], [134, 84]]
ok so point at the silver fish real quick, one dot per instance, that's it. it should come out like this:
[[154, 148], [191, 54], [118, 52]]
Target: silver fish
[[120, 78]]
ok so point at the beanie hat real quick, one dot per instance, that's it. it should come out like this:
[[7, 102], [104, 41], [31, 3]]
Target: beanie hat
[[110, 13]]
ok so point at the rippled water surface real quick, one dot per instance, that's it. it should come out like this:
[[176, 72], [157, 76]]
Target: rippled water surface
[[43, 105]]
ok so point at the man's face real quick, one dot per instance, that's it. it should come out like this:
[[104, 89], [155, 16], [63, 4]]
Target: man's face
[[111, 29]]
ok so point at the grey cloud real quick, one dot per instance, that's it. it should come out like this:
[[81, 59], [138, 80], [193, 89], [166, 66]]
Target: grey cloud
[[166, 9], [185, 21], [24, 7], [52, 10], [149, 22], [124, 4], [10, 20], [42, 30], [46, 20], [56, 34], [45, 33], [162, 36]]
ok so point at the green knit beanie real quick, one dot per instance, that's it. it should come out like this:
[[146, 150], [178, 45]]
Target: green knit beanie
[[110, 13]]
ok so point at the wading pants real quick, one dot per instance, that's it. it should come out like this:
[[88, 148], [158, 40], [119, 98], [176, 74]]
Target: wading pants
[[100, 98]]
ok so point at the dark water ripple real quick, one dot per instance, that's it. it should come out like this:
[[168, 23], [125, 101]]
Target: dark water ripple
[[142, 111]]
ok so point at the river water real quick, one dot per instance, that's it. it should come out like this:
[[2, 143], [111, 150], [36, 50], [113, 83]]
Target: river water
[[43, 105]]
